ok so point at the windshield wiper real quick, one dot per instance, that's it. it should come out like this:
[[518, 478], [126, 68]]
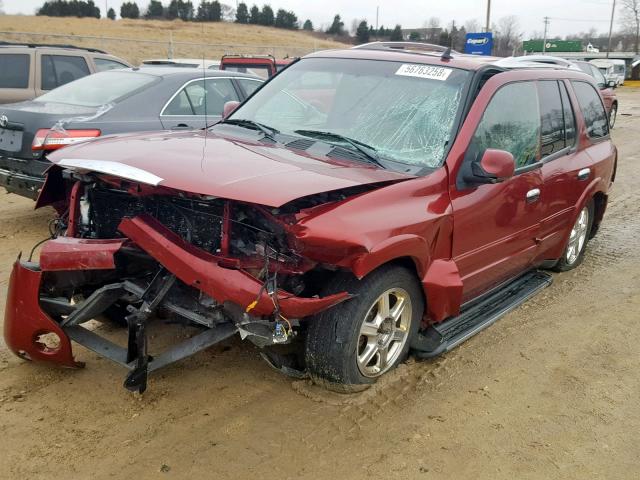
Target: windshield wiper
[[368, 152], [268, 132]]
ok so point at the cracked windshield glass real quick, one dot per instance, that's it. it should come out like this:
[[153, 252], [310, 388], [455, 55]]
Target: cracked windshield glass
[[401, 112]]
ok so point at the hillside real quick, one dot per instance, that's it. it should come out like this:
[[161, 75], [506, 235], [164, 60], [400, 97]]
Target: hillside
[[151, 38]]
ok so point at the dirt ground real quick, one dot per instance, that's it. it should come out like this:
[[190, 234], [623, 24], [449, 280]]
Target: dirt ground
[[550, 392]]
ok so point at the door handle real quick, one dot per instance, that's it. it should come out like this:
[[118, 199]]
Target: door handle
[[584, 174], [181, 126], [533, 195]]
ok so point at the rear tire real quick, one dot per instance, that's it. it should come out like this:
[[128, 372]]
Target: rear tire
[[612, 115], [349, 346], [577, 241]]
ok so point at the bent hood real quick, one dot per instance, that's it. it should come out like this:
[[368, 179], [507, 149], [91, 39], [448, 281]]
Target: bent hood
[[219, 166]]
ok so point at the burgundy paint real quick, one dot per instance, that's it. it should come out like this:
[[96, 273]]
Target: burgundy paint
[[498, 163], [74, 202], [24, 321], [200, 270], [67, 253], [230, 168]]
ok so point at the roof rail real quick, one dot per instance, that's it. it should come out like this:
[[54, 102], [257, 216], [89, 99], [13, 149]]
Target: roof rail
[[536, 61], [412, 47], [50, 45]]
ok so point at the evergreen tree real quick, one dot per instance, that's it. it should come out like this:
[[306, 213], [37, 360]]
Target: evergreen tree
[[155, 9], [362, 32], [337, 27], [129, 10], [209, 11], [266, 16], [242, 14], [72, 8], [396, 35], [286, 19], [308, 25], [254, 15], [111, 14]]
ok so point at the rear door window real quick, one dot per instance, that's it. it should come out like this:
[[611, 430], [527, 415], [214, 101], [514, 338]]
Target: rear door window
[[14, 70], [249, 86], [203, 97], [61, 69], [569, 116], [592, 109], [552, 132], [511, 122]]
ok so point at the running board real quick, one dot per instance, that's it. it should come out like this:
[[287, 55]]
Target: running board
[[478, 315]]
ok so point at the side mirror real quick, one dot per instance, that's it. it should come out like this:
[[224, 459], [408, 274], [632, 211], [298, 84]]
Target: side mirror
[[228, 108], [494, 166], [612, 84]]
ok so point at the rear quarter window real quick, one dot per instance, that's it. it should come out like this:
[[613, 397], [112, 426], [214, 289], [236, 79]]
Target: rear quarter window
[[592, 109], [14, 70]]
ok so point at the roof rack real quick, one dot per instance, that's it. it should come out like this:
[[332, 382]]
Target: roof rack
[[410, 47], [536, 61], [50, 45]]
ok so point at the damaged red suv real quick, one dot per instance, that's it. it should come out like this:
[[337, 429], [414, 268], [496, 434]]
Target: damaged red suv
[[362, 204]]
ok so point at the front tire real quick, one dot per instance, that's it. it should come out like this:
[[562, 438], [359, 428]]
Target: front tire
[[349, 346], [578, 238]]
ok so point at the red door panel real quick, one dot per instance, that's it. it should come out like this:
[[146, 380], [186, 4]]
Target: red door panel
[[495, 231]]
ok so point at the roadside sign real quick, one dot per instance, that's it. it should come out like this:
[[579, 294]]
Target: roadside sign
[[478, 43]]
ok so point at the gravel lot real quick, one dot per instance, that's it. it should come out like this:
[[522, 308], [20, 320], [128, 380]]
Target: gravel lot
[[551, 391]]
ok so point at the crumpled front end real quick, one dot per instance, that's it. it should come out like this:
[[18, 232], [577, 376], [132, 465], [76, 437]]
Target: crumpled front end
[[25, 323], [132, 251]]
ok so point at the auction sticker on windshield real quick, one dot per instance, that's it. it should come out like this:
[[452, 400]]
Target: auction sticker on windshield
[[424, 71]]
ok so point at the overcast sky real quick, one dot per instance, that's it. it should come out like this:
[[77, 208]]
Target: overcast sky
[[567, 16]]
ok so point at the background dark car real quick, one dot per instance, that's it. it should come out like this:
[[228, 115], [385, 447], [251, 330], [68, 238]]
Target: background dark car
[[117, 101]]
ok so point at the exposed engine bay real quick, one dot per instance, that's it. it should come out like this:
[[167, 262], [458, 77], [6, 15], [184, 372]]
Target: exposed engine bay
[[131, 252]]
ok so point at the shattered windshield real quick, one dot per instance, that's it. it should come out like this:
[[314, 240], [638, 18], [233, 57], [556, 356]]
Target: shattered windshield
[[405, 112]]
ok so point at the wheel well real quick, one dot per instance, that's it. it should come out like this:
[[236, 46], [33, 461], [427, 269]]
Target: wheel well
[[599, 206]]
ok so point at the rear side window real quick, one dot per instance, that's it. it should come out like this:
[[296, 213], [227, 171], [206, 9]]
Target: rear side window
[[249, 86], [61, 69], [511, 122], [592, 109], [14, 70], [103, 64], [203, 97], [552, 134]]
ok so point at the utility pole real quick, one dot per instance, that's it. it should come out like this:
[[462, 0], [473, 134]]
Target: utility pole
[[377, 14], [544, 41], [613, 9], [487, 26]]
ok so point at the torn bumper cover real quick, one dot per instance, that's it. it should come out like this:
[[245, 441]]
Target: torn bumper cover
[[26, 321]]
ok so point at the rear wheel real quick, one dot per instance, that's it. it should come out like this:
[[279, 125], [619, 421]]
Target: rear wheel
[[578, 238], [612, 115], [349, 346]]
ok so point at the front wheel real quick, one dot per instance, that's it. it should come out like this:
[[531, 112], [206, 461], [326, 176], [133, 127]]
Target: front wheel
[[352, 344], [577, 242]]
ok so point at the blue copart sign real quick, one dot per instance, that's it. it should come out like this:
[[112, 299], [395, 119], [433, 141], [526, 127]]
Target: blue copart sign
[[478, 43]]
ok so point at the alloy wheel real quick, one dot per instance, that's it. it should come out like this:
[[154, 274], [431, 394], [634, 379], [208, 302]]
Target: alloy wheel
[[384, 332], [578, 236]]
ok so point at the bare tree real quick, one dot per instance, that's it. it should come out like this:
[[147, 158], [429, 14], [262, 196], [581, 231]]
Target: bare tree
[[472, 26], [508, 36], [631, 20]]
